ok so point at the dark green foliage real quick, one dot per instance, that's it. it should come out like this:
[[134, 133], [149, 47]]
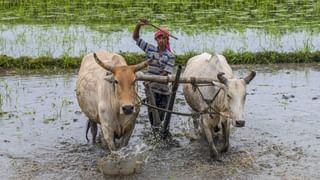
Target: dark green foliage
[[183, 58], [133, 58], [66, 62], [271, 57], [71, 62], [25, 62]]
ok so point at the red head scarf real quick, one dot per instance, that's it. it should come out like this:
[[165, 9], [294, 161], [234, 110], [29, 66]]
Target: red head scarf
[[163, 32]]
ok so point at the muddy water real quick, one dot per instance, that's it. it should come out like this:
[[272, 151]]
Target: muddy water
[[42, 132]]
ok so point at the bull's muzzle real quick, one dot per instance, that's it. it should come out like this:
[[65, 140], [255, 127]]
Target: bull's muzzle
[[127, 109], [240, 123]]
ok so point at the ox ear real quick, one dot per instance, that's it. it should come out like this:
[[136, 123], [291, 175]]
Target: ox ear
[[140, 66], [220, 85], [103, 65], [250, 77], [221, 78]]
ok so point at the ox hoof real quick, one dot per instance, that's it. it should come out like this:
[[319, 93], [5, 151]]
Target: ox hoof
[[224, 149], [216, 129], [215, 156], [240, 123]]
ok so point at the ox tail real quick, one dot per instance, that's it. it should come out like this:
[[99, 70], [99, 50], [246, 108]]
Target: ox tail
[[87, 130]]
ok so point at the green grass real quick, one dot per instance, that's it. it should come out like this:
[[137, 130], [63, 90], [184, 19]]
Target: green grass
[[272, 57], [66, 62]]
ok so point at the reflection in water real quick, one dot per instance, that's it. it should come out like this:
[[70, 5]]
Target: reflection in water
[[24, 40]]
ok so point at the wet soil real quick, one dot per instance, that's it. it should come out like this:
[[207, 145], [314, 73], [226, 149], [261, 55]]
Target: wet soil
[[42, 131]]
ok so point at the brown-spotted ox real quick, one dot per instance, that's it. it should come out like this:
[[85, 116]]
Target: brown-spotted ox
[[227, 100], [106, 93]]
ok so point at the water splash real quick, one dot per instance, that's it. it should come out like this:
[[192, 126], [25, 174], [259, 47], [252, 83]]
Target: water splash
[[127, 160]]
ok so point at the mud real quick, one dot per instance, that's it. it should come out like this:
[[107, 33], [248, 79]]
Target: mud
[[42, 131]]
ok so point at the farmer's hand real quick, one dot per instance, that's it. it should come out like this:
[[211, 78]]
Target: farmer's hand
[[143, 22]]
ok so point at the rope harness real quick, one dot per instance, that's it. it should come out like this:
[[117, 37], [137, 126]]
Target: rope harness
[[208, 110]]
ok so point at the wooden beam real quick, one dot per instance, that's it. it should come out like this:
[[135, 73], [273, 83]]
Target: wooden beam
[[171, 78]]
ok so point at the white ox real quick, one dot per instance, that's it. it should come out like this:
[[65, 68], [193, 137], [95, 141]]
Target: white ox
[[109, 97], [227, 100]]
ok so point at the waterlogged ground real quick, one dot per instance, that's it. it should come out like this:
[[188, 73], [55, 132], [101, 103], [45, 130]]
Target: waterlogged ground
[[42, 131]]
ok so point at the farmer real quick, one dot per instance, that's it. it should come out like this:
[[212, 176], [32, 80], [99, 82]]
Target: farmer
[[161, 63]]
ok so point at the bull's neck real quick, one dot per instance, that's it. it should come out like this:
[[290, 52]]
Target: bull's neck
[[221, 103]]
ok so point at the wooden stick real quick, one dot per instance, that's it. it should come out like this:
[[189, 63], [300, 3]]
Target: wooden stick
[[163, 31]]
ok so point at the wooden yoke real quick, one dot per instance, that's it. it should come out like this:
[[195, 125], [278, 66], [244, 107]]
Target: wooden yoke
[[172, 78]]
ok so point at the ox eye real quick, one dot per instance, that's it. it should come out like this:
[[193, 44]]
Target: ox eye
[[115, 81], [229, 96]]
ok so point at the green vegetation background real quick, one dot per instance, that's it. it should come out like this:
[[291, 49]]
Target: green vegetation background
[[267, 57], [273, 16]]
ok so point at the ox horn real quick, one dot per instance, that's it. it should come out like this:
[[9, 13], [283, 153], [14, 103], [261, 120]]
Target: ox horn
[[250, 77], [104, 65], [221, 78], [140, 66]]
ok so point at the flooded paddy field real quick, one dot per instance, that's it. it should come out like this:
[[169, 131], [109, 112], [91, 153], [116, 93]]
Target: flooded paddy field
[[42, 131], [75, 40]]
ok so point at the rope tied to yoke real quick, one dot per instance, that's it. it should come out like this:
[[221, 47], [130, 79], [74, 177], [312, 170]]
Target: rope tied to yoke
[[209, 110]]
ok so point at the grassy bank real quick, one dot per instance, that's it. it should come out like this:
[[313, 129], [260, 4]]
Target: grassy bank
[[65, 62]]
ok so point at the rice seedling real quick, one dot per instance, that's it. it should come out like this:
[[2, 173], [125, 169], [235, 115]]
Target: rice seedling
[[115, 15], [5, 92], [1, 101], [64, 102]]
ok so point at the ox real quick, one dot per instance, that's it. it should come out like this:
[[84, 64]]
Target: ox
[[227, 100], [109, 98]]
